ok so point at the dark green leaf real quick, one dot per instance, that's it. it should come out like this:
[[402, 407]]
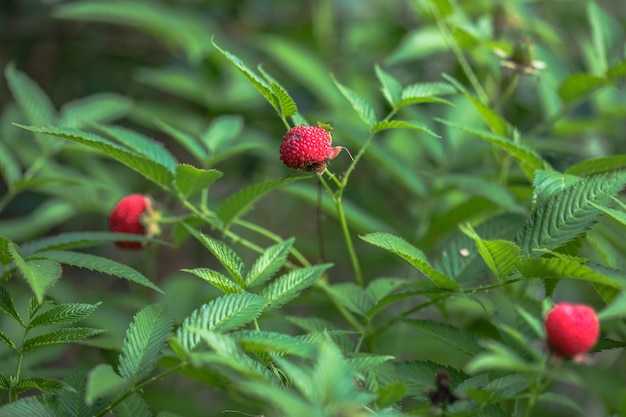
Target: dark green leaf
[[7, 341], [144, 342], [102, 382], [72, 401], [272, 342], [363, 108], [219, 281], [30, 97], [402, 124], [225, 255], [66, 335], [391, 88], [133, 406], [188, 142], [63, 314], [579, 85], [391, 393], [597, 165], [565, 267], [100, 264], [460, 339], [96, 108], [8, 306], [221, 132], [33, 406], [46, 385], [40, 273], [270, 261]]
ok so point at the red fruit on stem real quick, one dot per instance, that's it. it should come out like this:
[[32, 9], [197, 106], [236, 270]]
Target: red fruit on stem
[[308, 148], [126, 217], [572, 329]]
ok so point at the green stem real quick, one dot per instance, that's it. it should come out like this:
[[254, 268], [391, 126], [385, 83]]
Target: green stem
[[351, 252]]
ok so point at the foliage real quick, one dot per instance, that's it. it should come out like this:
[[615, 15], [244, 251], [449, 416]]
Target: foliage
[[482, 183]]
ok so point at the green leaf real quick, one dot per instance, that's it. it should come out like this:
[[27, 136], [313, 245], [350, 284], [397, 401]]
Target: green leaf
[[352, 297], [8, 306], [579, 85], [569, 213], [496, 123], [30, 97], [272, 342], [412, 255], [72, 401], [133, 406], [33, 406], [190, 180], [598, 165], [100, 264], [70, 240], [391, 88], [224, 313], [219, 281], [242, 201], [287, 287], [221, 132], [152, 170], [63, 314], [225, 255], [103, 382], [455, 337], [565, 267], [484, 188], [617, 71], [186, 141], [526, 157], [7, 341], [142, 145], [500, 358], [39, 274], [45, 385], [402, 124], [258, 83], [270, 261], [425, 93], [60, 336], [606, 34], [144, 342], [615, 310], [286, 104], [9, 166], [499, 255], [363, 108], [548, 183], [620, 216], [96, 108], [364, 362], [390, 394]]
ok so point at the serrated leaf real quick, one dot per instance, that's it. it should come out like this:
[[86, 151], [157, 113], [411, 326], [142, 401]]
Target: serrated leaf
[[102, 382], [150, 169], [8, 306], [390, 394], [548, 183], [144, 342], [607, 35], [391, 87], [65, 335], [142, 145], [72, 401], [351, 296], [242, 201], [568, 214], [496, 123], [32, 406], [579, 85], [402, 124], [616, 309], [455, 337], [70, 240], [272, 342], [100, 264], [224, 313], [40, 274], [224, 254], [287, 106], [425, 93], [287, 287], [382, 287], [619, 216], [221, 132], [185, 140], [499, 255], [63, 314], [7, 341], [96, 108], [499, 357], [190, 180], [363, 362], [363, 108], [133, 406], [526, 157], [258, 83], [219, 281], [564, 267], [270, 261], [45, 385], [9, 167], [412, 255], [597, 165]]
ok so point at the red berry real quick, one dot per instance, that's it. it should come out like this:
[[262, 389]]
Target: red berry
[[126, 218], [572, 329], [307, 148]]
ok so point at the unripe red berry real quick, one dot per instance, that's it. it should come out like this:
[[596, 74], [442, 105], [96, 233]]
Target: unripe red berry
[[308, 148], [126, 217], [572, 329]]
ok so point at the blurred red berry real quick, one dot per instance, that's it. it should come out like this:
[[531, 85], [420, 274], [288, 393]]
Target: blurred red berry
[[126, 217], [308, 148], [572, 329]]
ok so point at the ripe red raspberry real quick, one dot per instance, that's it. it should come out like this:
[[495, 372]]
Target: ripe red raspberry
[[572, 329], [126, 217], [308, 148]]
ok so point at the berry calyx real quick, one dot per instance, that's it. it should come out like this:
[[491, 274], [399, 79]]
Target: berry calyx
[[133, 214], [572, 329], [308, 148]]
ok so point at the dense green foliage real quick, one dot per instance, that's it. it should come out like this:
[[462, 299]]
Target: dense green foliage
[[482, 184]]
